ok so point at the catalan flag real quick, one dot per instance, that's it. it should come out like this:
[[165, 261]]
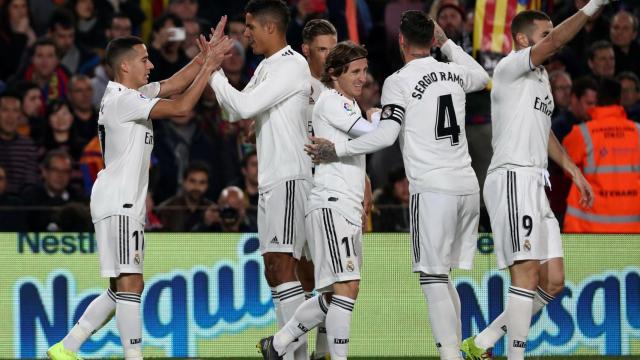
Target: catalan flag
[[152, 9], [492, 23]]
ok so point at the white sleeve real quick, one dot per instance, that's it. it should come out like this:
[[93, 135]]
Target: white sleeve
[[514, 66], [475, 78], [134, 106], [384, 135], [281, 83], [363, 126], [151, 90]]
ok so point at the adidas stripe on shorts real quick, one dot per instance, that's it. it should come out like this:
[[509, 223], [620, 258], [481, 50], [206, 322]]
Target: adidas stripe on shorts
[[120, 241], [281, 217], [524, 227], [336, 247]]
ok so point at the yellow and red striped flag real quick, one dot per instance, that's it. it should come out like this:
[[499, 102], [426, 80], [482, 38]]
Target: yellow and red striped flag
[[492, 23]]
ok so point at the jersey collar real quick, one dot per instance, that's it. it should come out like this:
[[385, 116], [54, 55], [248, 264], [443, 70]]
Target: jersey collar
[[279, 53]]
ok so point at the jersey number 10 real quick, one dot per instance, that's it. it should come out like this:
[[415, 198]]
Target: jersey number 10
[[445, 107]]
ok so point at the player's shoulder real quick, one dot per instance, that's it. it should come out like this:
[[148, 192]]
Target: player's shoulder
[[329, 97]]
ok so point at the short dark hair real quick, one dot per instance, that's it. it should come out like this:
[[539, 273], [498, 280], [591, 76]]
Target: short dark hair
[[55, 105], [51, 154], [247, 156], [628, 75], [10, 95], [581, 85], [523, 22], [417, 28], [118, 15], [196, 166], [158, 23], [339, 59], [609, 92], [63, 18], [275, 8], [315, 28], [22, 87], [597, 46], [45, 41], [119, 47]]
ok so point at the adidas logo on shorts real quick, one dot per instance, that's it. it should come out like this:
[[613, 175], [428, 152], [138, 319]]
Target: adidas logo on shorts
[[274, 240]]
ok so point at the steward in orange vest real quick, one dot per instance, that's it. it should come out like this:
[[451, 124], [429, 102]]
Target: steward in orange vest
[[607, 149]]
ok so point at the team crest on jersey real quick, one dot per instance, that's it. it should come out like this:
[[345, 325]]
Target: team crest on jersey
[[350, 266], [386, 113], [349, 108], [527, 245], [136, 259]]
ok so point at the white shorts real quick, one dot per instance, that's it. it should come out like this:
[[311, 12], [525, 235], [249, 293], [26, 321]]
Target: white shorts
[[120, 241], [281, 217], [336, 248], [444, 231], [524, 227]]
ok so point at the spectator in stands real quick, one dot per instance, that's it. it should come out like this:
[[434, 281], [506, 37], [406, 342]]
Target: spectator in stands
[[59, 132], [249, 186], [602, 60], [152, 221], [165, 52], [235, 29], [184, 211], [392, 204], [192, 28], [11, 218], [45, 70], [91, 162], [301, 12], [184, 9], [33, 121], [597, 28], [233, 64], [75, 58], [451, 18], [54, 191], [18, 155], [370, 96], [232, 209], [624, 36], [16, 35], [612, 169], [90, 26], [630, 97], [85, 116], [561, 89], [119, 26], [583, 96], [178, 142]]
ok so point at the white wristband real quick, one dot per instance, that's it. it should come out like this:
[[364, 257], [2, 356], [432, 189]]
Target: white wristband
[[591, 8]]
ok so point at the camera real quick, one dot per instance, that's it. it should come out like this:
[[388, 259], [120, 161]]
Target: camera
[[228, 214], [177, 34]]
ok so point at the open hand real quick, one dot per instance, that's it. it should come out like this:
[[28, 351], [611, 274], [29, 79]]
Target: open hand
[[321, 150], [586, 192]]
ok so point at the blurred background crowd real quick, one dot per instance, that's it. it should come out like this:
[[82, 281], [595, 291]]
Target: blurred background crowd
[[204, 170]]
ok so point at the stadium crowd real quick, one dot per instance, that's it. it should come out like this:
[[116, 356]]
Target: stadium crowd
[[204, 169]]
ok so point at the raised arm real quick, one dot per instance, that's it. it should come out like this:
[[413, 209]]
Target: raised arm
[[476, 77], [279, 85], [181, 105], [177, 83], [563, 33], [558, 154]]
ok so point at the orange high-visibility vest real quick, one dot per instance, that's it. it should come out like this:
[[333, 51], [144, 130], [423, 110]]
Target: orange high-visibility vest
[[607, 150]]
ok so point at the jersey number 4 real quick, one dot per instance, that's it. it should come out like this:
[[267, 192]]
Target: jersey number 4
[[446, 111]]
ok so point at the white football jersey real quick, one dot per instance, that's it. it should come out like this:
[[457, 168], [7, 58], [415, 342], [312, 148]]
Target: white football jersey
[[126, 140], [521, 107], [277, 98], [430, 96], [338, 185]]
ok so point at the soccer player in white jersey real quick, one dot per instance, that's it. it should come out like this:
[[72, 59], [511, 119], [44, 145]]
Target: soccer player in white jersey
[[277, 97], [119, 193], [319, 36], [526, 233], [424, 102], [334, 212]]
